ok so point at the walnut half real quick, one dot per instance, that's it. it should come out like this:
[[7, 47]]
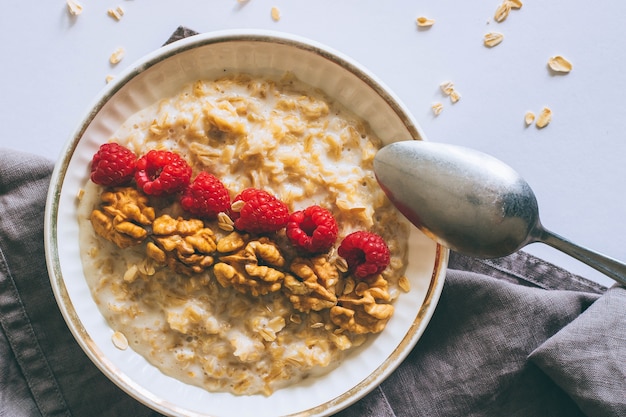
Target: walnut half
[[313, 286], [123, 217], [366, 308], [255, 269], [186, 246]]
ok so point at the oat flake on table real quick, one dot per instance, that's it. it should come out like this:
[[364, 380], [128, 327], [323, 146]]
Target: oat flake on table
[[559, 64], [492, 39], [424, 22], [74, 7], [544, 118]]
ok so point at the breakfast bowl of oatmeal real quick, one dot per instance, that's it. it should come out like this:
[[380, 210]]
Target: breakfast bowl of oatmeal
[[216, 238]]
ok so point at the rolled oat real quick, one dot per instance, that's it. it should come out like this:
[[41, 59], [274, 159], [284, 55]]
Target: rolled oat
[[117, 56], [275, 14], [492, 39], [559, 64], [424, 22], [544, 118], [74, 7]]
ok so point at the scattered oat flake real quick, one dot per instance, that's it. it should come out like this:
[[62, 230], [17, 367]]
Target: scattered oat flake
[[492, 39], [116, 13], [117, 56], [404, 284], [224, 222], [119, 341], [447, 87], [74, 7], [502, 12], [226, 227], [237, 206], [515, 4], [545, 117], [109, 78], [275, 14], [529, 118], [559, 64], [437, 108], [341, 264], [424, 22]]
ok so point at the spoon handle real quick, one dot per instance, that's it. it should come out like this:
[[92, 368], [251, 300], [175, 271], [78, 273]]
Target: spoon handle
[[608, 266]]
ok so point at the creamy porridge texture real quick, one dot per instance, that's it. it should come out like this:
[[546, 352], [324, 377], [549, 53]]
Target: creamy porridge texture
[[220, 308]]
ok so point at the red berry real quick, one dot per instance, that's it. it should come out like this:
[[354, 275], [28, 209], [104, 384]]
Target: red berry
[[261, 213], [313, 229], [113, 165], [366, 253], [206, 196], [162, 172]]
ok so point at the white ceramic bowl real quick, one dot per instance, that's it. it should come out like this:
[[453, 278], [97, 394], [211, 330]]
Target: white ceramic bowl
[[160, 75]]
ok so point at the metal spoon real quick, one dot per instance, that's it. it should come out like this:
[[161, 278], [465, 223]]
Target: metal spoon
[[471, 202]]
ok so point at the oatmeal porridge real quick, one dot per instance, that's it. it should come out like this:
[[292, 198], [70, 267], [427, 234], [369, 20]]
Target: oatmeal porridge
[[220, 308]]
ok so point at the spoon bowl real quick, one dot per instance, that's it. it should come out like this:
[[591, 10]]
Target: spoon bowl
[[471, 202]]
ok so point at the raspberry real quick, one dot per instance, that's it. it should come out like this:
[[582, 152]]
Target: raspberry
[[261, 213], [113, 165], [162, 172], [206, 196], [313, 229], [367, 253]]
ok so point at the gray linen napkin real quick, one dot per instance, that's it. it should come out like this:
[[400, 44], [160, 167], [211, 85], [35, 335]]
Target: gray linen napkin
[[498, 344], [43, 371]]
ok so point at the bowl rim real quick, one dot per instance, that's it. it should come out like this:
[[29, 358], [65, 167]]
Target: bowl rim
[[165, 52]]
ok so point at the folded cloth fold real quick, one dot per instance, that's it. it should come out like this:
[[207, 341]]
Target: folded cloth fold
[[588, 357], [493, 347], [473, 358]]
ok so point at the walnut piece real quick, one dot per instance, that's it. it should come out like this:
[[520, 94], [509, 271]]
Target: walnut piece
[[124, 217], [366, 309], [186, 246], [231, 242], [313, 286], [255, 269]]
